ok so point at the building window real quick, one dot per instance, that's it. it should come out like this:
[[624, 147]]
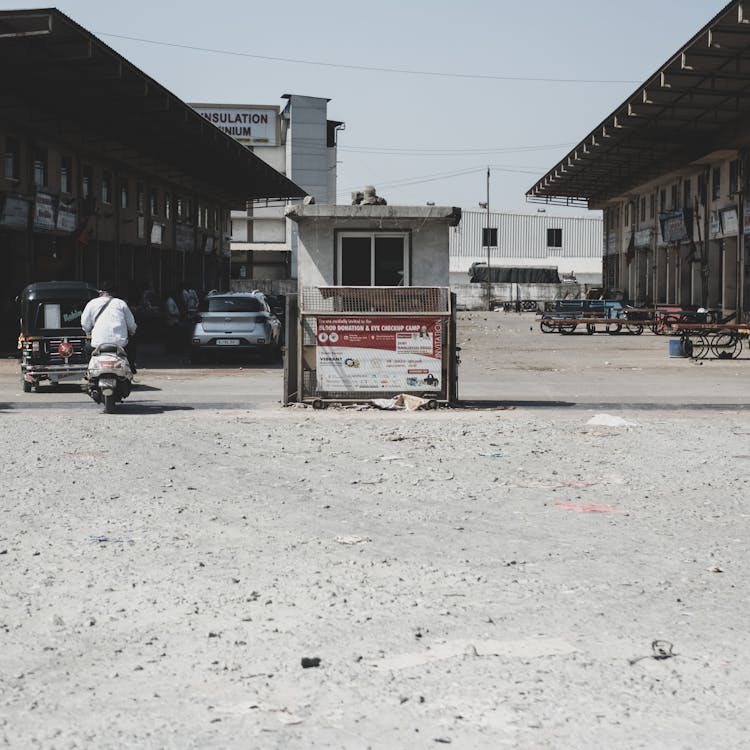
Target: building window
[[40, 167], [11, 162], [180, 209], [734, 176], [154, 202], [662, 200], [66, 174], [140, 197], [702, 189], [106, 187], [86, 182], [716, 183], [167, 206], [124, 193], [687, 193], [643, 208], [675, 197], [554, 238], [652, 206], [373, 259]]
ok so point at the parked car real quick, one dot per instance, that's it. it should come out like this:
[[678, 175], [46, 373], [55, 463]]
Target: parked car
[[236, 322]]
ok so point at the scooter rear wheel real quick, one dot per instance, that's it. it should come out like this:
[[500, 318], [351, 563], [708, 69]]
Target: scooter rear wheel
[[109, 403]]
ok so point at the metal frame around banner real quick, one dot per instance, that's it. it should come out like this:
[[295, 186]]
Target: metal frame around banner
[[373, 303]]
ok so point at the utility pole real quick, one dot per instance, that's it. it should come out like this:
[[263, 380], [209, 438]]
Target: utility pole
[[487, 237]]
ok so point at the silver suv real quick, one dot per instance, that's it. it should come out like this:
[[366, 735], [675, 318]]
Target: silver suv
[[236, 322]]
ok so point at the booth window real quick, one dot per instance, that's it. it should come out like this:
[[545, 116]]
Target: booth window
[[373, 259]]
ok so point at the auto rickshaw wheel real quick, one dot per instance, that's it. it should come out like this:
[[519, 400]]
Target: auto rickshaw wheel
[[27, 386]]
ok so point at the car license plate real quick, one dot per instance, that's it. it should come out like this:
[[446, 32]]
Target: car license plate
[[227, 342]]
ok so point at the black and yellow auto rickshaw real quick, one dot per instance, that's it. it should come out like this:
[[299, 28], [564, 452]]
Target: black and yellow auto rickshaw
[[52, 342]]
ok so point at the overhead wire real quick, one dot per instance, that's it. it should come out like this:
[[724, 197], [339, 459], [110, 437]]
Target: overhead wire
[[370, 68]]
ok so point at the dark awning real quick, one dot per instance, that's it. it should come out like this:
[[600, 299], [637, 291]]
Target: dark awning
[[689, 108], [61, 82]]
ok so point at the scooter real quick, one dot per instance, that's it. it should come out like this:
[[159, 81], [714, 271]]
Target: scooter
[[109, 376]]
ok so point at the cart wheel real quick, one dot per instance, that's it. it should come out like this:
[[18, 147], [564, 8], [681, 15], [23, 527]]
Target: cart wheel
[[567, 328], [318, 404], [700, 347], [546, 326], [635, 330], [614, 328], [726, 345], [431, 404], [528, 305], [590, 328], [26, 386]]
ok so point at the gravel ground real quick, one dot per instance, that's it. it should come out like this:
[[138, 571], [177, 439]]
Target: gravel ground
[[483, 578]]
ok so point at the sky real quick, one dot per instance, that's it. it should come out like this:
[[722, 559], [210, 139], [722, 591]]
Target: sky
[[432, 94]]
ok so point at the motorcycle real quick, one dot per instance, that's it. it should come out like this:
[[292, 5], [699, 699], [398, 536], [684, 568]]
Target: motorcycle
[[109, 376]]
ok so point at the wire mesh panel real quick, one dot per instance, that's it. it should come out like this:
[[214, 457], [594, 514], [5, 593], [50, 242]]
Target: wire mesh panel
[[360, 343], [374, 299]]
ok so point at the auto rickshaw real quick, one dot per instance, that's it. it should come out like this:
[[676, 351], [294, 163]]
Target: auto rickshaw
[[52, 342]]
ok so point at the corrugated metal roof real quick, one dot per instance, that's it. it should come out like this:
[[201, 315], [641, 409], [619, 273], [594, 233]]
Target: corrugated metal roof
[[60, 80], [688, 108]]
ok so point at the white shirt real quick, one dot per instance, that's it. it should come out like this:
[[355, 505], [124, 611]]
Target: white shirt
[[112, 326]]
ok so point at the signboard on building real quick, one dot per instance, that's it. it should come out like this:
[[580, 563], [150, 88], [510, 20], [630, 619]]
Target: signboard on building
[[67, 216], [157, 233], [250, 125], [44, 211], [643, 238], [714, 225], [359, 354], [729, 221], [676, 226], [15, 212], [185, 238], [746, 218]]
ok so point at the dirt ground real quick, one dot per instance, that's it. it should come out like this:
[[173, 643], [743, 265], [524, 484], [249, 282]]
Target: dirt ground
[[484, 577]]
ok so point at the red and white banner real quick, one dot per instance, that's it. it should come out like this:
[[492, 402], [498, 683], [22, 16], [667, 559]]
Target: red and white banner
[[379, 354]]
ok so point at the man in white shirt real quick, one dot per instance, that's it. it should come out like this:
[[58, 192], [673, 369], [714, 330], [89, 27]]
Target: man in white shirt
[[108, 320]]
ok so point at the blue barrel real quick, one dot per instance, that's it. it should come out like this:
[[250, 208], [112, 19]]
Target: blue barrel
[[676, 348]]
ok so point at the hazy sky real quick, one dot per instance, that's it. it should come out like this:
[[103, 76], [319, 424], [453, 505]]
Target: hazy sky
[[416, 137]]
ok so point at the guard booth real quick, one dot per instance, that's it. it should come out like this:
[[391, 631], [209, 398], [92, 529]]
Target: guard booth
[[355, 344]]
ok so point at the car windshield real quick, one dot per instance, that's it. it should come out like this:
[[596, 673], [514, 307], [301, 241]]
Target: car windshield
[[234, 304]]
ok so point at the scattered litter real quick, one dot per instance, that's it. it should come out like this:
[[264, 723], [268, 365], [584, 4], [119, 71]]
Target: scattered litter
[[402, 401], [310, 661], [715, 569], [586, 507], [661, 650], [606, 420], [352, 539], [490, 454], [104, 538]]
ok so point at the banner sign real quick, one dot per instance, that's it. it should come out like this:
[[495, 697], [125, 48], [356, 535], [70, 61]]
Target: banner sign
[[15, 212], [746, 218], [157, 233], [379, 354], [44, 211]]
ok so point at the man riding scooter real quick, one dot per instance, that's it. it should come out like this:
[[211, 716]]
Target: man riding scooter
[[109, 320]]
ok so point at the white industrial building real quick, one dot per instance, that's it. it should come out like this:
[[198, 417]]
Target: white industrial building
[[297, 140], [571, 243]]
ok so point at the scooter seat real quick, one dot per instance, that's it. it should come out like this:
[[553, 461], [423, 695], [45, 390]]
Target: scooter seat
[[108, 349]]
